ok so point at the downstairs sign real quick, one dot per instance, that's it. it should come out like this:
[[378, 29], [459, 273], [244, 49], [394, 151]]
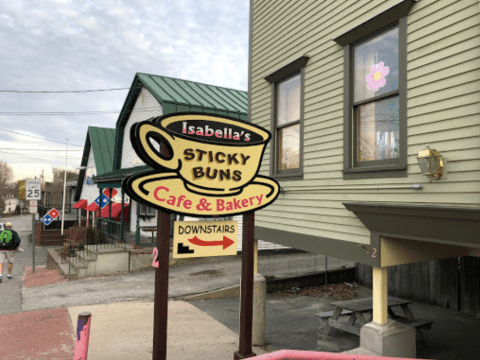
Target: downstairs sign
[[204, 238]]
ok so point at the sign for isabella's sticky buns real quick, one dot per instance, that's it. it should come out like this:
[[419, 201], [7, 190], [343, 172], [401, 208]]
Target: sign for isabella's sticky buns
[[212, 166]]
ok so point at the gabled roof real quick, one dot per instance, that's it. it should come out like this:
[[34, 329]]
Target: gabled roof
[[102, 141], [118, 175], [189, 93], [176, 95]]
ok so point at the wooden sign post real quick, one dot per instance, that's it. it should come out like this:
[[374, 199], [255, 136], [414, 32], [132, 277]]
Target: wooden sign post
[[206, 166], [160, 308], [246, 289]]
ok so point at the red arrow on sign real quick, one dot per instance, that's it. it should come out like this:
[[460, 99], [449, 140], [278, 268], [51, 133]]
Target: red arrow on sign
[[226, 242]]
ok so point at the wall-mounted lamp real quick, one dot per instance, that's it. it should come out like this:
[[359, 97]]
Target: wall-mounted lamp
[[431, 163]]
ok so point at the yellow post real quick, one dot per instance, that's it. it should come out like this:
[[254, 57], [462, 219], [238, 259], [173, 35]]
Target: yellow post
[[380, 295], [255, 256]]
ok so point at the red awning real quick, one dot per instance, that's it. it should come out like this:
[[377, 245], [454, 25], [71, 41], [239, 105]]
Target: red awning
[[116, 210], [82, 204], [92, 207]]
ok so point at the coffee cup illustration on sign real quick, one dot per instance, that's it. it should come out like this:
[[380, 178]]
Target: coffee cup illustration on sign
[[214, 156], [211, 159]]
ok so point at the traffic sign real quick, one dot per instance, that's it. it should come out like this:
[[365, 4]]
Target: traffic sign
[[204, 238], [33, 189]]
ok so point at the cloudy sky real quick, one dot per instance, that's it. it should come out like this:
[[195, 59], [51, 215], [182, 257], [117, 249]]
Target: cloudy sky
[[70, 45]]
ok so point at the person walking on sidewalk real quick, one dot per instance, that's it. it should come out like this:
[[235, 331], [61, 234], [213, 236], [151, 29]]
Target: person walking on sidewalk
[[9, 243]]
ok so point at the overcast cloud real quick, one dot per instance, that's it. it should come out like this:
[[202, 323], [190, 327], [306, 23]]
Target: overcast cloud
[[81, 44]]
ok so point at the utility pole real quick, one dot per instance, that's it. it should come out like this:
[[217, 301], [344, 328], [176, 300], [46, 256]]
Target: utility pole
[[43, 189], [64, 187]]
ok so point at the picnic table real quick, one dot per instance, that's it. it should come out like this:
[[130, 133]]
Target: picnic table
[[359, 312], [151, 229]]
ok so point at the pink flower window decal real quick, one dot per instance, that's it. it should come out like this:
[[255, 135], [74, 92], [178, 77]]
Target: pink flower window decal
[[376, 78]]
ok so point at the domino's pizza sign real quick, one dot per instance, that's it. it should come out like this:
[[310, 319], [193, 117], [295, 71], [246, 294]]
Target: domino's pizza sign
[[50, 216], [105, 199]]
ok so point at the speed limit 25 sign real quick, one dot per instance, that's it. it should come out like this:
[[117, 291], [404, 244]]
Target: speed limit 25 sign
[[33, 190]]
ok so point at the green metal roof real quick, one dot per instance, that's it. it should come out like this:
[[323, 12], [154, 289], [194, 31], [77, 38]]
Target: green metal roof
[[189, 93], [102, 141], [121, 173], [176, 95]]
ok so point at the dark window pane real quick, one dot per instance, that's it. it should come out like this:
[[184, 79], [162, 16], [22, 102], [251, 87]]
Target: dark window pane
[[377, 130], [288, 101], [289, 147], [376, 66]]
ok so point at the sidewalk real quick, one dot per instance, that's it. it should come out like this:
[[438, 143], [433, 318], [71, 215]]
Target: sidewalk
[[124, 331], [42, 334], [120, 331], [40, 277]]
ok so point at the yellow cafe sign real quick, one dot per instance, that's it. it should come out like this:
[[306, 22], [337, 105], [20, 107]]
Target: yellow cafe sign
[[212, 167]]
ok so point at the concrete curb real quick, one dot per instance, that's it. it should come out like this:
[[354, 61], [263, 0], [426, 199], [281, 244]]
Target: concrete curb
[[360, 351], [228, 292], [273, 285]]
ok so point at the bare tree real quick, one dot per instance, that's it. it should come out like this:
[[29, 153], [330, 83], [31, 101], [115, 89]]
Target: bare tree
[[54, 190], [6, 179]]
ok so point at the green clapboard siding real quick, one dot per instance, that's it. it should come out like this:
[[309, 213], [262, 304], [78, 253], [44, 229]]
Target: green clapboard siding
[[443, 92]]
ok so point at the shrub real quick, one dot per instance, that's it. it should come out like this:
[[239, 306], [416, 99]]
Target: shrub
[[95, 236]]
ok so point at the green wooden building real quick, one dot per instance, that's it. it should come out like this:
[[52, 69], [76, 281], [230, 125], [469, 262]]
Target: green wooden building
[[97, 159], [353, 92]]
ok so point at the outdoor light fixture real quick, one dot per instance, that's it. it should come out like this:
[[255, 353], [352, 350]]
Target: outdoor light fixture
[[431, 163]]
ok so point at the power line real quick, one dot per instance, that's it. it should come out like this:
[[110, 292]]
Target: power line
[[36, 137], [43, 156], [58, 91], [65, 113], [25, 113]]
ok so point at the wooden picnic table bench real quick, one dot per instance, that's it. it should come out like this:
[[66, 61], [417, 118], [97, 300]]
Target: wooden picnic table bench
[[356, 309], [151, 229]]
